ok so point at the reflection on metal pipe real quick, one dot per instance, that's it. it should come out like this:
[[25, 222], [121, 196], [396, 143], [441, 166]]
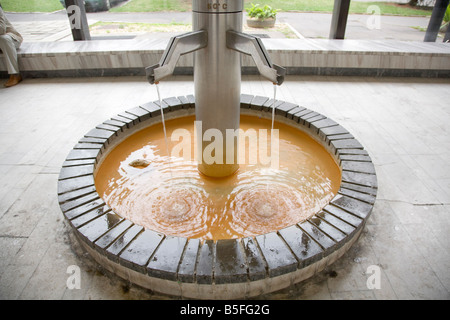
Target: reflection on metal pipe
[[254, 47], [178, 46]]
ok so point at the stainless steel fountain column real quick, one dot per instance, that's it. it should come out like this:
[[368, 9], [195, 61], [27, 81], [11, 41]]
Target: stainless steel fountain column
[[217, 40], [217, 78]]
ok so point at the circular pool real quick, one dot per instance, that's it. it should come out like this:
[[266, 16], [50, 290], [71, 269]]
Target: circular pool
[[154, 220]]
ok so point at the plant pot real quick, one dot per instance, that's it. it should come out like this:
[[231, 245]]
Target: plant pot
[[258, 23]]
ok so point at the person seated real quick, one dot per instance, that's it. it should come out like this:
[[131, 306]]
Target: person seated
[[10, 41]]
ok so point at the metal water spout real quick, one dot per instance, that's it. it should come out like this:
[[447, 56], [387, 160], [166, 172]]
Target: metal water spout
[[217, 41]]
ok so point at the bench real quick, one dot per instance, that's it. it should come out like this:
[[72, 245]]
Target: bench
[[299, 56]]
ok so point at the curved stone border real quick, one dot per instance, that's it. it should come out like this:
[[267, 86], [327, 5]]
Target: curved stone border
[[222, 269]]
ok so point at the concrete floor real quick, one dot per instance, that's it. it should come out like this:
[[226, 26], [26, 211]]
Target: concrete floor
[[402, 122]]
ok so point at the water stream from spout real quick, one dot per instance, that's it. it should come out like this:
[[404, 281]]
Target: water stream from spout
[[164, 126], [163, 122], [273, 108], [271, 130]]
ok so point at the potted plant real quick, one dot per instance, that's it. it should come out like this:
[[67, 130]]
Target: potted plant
[[261, 17], [446, 21]]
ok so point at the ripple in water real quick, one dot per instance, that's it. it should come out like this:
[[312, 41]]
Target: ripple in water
[[172, 197]]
